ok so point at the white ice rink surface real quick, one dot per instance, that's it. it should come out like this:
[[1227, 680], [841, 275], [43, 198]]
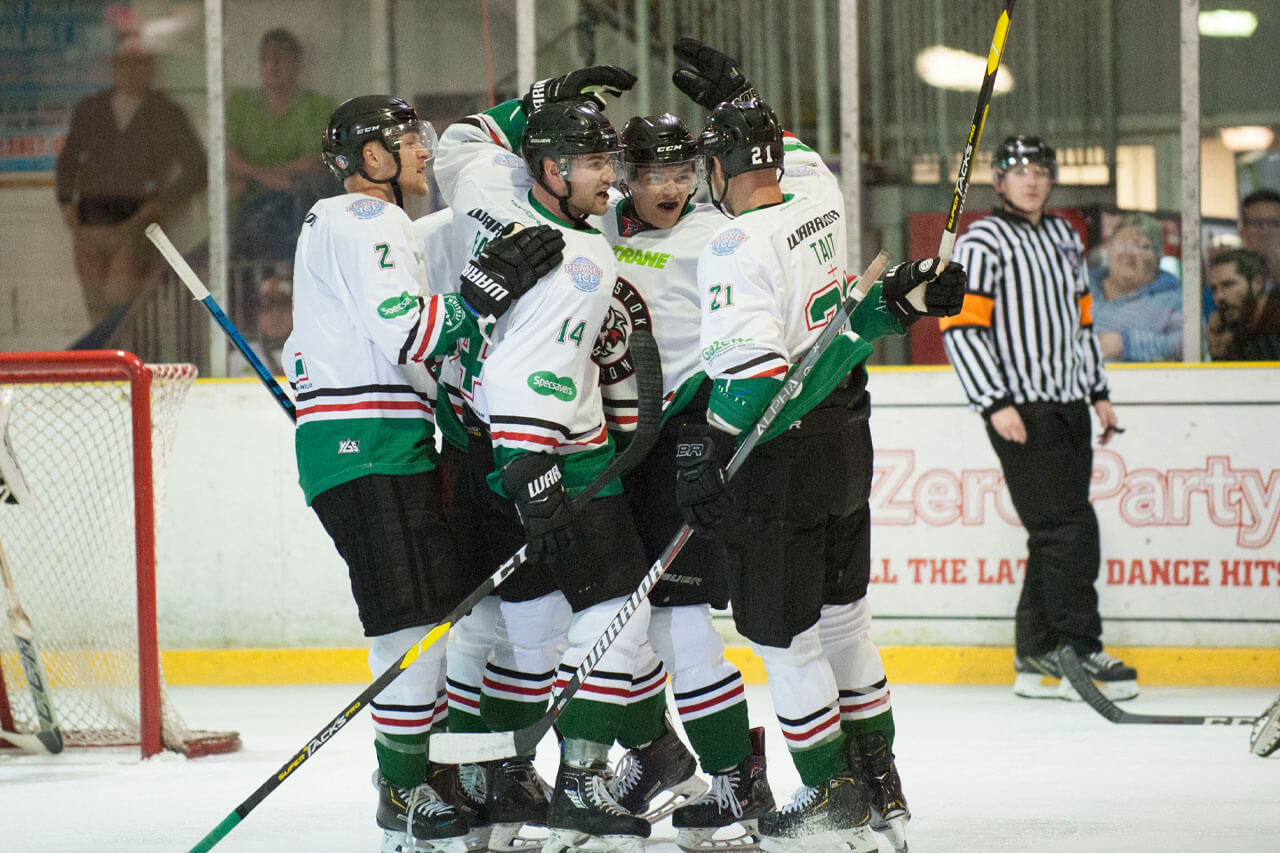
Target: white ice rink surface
[[982, 770]]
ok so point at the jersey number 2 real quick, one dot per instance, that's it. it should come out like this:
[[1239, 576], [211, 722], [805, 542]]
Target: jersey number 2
[[383, 261]]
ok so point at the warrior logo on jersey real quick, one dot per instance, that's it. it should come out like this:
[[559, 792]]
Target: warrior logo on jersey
[[585, 274], [727, 242], [366, 208], [627, 311]]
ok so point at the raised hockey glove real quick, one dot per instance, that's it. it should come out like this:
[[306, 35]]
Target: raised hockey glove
[[913, 289], [701, 490], [508, 266], [536, 486], [708, 76], [585, 84]]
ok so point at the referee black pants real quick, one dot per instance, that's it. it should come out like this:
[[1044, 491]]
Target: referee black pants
[[1048, 478]]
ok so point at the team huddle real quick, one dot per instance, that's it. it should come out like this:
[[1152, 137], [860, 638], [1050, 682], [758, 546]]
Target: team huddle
[[503, 323]]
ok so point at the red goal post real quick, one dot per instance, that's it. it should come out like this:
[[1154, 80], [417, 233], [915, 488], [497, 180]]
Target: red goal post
[[91, 432]]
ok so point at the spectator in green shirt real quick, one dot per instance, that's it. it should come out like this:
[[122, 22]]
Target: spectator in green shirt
[[273, 172]]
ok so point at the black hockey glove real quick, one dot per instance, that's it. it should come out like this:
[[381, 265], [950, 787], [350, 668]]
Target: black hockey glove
[[508, 266], [536, 486], [585, 84], [913, 289], [713, 78], [701, 490]]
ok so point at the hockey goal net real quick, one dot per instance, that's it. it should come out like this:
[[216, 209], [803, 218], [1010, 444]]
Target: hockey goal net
[[91, 433]]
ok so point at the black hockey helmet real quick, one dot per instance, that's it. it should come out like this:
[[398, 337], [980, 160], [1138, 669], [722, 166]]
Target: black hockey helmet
[[661, 140], [1020, 150], [367, 118], [561, 130], [745, 135]]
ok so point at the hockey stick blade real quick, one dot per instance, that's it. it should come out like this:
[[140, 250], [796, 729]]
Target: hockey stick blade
[[459, 748], [1089, 692], [171, 254], [649, 377]]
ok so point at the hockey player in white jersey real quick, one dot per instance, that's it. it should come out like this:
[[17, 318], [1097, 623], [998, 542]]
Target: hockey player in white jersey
[[536, 437], [364, 325], [795, 520], [657, 234]]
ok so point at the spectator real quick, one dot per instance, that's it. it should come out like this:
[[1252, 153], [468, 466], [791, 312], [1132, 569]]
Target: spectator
[[1246, 326], [131, 158], [1137, 307], [274, 173], [1260, 229], [1028, 360]]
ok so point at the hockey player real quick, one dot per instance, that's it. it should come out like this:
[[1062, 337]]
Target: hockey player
[[536, 437], [795, 521], [657, 235], [363, 325]]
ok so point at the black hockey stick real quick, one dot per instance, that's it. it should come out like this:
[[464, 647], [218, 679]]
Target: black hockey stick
[[648, 367], [975, 133], [1089, 692], [463, 748], [171, 254]]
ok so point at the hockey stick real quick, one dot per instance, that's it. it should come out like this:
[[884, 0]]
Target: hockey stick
[[1089, 692], [464, 748], [975, 134], [14, 490], [171, 254], [648, 367]]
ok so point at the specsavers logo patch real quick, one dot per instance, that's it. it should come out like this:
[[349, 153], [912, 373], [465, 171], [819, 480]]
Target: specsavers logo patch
[[585, 273], [397, 306], [547, 384]]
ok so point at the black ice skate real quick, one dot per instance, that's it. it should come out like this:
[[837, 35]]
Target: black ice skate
[[1114, 678], [889, 812], [1040, 677], [583, 815], [652, 781], [463, 787], [738, 797], [517, 798], [821, 819], [416, 820]]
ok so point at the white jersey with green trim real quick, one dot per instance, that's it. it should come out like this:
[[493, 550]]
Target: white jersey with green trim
[[363, 324], [534, 384], [771, 278], [657, 290]]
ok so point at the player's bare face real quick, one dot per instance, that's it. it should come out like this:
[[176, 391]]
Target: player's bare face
[[589, 179], [1235, 296], [1027, 187], [414, 154], [660, 192]]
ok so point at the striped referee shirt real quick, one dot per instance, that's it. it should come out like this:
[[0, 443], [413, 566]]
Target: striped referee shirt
[[1025, 331]]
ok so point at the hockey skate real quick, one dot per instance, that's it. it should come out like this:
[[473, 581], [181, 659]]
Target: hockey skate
[[652, 781], [584, 816], [517, 799], [463, 787], [737, 799], [416, 820], [1264, 737], [832, 816], [889, 812], [1040, 677]]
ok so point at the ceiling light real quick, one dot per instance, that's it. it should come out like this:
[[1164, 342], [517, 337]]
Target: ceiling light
[[959, 70], [1228, 23], [1249, 137]]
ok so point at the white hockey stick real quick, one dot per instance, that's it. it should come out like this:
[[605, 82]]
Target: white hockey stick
[[14, 490], [463, 748]]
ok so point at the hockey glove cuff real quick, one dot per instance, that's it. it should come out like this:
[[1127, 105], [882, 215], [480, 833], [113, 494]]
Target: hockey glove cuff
[[702, 492], [708, 76], [585, 84], [508, 266], [535, 484], [914, 289]]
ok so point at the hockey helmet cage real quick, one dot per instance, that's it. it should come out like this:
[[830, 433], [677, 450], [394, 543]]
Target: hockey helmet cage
[[561, 130], [367, 118], [745, 135], [1020, 150], [660, 140]]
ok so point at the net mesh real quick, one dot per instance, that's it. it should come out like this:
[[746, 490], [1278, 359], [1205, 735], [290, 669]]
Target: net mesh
[[72, 552]]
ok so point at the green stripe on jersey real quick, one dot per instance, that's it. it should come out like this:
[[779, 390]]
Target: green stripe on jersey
[[510, 118], [331, 453]]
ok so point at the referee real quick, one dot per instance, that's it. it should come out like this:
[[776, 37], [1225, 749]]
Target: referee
[[1024, 348]]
